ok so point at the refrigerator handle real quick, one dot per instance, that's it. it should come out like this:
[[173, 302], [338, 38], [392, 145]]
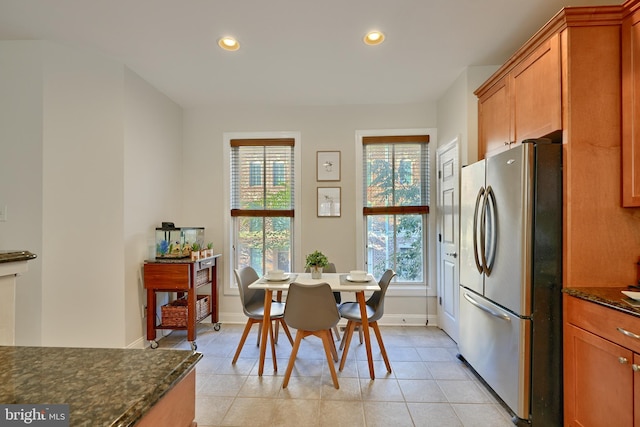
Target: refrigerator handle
[[483, 233], [500, 316], [493, 218], [475, 230]]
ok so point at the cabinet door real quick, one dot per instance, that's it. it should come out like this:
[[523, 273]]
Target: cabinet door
[[535, 89], [494, 120], [598, 381], [630, 109]]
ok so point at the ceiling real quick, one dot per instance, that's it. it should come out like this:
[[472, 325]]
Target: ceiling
[[293, 52]]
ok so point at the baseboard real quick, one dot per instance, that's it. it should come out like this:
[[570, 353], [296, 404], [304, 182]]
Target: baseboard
[[139, 343], [386, 320]]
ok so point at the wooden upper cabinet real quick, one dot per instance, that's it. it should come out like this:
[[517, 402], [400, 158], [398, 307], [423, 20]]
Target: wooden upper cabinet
[[494, 127], [536, 92], [631, 110], [525, 102]]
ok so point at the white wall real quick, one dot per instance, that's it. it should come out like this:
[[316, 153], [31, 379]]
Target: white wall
[[458, 112], [83, 211], [321, 128], [91, 163], [153, 184], [21, 175]]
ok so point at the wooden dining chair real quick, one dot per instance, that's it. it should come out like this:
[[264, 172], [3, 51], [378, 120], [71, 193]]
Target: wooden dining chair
[[312, 310], [253, 306], [375, 310]]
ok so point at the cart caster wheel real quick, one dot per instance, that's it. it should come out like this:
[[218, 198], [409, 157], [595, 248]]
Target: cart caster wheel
[[216, 327], [154, 344], [194, 346]]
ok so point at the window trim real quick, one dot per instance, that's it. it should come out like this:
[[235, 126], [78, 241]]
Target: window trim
[[257, 138], [397, 135]]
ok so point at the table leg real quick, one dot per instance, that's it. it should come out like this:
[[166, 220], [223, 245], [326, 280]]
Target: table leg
[[268, 294], [365, 331], [151, 314]]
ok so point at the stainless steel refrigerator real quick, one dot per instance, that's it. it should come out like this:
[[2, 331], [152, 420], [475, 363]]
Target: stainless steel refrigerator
[[511, 278]]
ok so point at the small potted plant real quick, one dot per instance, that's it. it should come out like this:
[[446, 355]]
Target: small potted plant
[[195, 252], [210, 249], [316, 261]]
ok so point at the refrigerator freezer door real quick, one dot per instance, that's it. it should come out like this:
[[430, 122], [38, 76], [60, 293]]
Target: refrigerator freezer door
[[509, 176], [497, 345], [471, 197]]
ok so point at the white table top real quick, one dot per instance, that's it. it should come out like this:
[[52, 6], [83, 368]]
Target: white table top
[[337, 281]]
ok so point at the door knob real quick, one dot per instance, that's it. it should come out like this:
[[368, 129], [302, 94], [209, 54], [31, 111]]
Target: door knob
[[453, 254]]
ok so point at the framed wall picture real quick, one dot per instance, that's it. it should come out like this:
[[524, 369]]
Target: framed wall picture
[[328, 165], [328, 201]]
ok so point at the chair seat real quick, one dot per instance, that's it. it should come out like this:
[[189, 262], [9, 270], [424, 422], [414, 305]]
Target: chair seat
[[351, 311], [255, 310]]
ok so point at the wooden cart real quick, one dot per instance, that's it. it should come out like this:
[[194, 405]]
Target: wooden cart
[[184, 277]]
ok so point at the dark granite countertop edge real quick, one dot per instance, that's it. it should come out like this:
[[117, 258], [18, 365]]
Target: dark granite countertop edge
[[137, 411], [611, 297], [14, 256]]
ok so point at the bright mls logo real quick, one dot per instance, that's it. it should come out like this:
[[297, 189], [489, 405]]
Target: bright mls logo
[[34, 415]]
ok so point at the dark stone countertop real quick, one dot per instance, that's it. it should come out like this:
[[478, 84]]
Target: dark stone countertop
[[609, 297], [13, 256], [103, 387]]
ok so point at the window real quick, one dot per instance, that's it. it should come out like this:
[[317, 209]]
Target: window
[[278, 173], [255, 174], [262, 202], [396, 204]]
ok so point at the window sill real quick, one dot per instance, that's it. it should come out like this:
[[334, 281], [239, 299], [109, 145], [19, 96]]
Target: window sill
[[407, 291]]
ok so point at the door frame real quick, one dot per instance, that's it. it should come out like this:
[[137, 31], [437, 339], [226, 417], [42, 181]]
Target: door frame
[[450, 328]]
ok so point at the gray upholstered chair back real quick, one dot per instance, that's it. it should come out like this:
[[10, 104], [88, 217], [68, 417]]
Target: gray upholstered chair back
[[376, 301], [311, 307], [250, 298], [330, 268]]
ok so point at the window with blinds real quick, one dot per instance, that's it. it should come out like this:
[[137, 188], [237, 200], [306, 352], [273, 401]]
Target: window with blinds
[[396, 204], [262, 201]]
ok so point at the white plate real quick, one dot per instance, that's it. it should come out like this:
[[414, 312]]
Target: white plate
[[282, 279], [351, 279], [632, 295]]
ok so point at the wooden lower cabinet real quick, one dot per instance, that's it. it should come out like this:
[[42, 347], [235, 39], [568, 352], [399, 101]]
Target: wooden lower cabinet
[[601, 373], [177, 408], [599, 381]]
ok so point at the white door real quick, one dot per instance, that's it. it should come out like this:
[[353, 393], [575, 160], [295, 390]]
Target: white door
[[448, 238]]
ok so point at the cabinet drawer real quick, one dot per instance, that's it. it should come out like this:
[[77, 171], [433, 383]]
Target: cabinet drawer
[[206, 263], [166, 276], [605, 322]]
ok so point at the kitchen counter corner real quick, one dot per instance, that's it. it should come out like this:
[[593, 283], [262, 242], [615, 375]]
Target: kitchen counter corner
[[103, 387], [611, 297]]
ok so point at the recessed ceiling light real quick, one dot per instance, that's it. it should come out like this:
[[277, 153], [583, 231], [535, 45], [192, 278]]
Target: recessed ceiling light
[[229, 43], [374, 37]]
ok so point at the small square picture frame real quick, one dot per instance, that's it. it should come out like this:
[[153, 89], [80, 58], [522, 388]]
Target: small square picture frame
[[328, 165], [329, 200]]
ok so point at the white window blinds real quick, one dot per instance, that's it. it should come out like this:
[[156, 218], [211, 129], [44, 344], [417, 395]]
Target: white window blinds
[[262, 172], [396, 171]]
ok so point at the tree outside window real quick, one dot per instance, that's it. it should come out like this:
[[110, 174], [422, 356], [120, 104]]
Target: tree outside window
[[262, 203], [396, 205]]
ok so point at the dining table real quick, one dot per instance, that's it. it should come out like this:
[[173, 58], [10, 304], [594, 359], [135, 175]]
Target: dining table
[[339, 282]]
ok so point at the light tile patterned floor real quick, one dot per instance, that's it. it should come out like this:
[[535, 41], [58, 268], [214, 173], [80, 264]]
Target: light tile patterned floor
[[428, 385]]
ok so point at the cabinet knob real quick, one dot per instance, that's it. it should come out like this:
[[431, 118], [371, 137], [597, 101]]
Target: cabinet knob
[[622, 360], [453, 254], [635, 367]]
